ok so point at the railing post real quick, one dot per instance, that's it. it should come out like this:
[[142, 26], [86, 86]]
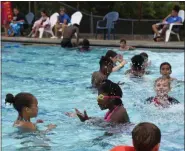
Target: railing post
[[132, 29], [91, 25]]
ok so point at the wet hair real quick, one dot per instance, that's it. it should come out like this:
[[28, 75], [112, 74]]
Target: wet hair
[[176, 8], [105, 61], [19, 101], [158, 79], [44, 11], [111, 89], [144, 55], [76, 25], [111, 53], [166, 63], [123, 40], [85, 43], [146, 136], [137, 62], [62, 9]]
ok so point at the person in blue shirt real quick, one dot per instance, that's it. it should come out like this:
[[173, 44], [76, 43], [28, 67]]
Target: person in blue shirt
[[171, 18], [63, 21]]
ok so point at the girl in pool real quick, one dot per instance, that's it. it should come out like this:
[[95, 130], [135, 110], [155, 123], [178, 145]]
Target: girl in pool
[[137, 66], [116, 58], [166, 70], [26, 106], [162, 87], [146, 62], [109, 97]]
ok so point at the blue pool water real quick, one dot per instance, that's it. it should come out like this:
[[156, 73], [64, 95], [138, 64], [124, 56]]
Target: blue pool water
[[60, 79]]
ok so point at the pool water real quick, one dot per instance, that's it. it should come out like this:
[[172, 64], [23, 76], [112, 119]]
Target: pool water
[[60, 79]]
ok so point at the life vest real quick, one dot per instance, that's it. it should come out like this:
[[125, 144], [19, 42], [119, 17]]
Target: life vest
[[123, 148]]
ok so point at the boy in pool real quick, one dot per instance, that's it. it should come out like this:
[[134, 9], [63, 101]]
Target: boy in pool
[[85, 45], [145, 137], [109, 97], [68, 33], [146, 62], [98, 77], [124, 46], [137, 66], [26, 106], [162, 88], [116, 58], [166, 70]]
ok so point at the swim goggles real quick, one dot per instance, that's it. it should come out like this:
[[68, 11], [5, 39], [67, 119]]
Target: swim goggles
[[102, 97]]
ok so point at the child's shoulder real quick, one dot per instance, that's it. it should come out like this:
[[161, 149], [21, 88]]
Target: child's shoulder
[[28, 126]]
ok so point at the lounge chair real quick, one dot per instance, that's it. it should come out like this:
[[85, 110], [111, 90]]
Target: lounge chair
[[53, 20], [110, 20], [174, 28]]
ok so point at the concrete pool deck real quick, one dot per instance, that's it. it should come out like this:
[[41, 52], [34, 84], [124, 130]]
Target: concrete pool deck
[[107, 43]]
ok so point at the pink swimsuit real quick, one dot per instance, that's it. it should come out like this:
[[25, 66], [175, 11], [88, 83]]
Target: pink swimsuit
[[109, 113]]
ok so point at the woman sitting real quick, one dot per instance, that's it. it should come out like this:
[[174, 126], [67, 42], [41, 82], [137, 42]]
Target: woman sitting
[[43, 22]]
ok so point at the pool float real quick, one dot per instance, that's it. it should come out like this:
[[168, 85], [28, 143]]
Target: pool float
[[123, 148]]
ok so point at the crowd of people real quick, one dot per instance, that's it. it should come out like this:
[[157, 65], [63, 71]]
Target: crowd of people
[[146, 136]]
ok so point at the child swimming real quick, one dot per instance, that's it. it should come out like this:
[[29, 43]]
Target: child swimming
[[85, 45], [98, 77], [116, 58], [27, 107], [109, 97], [146, 62], [124, 46], [145, 137], [166, 70], [162, 88], [137, 66]]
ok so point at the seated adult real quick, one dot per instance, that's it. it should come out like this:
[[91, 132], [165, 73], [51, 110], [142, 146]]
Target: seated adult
[[145, 137], [171, 18], [14, 28], [63, 21]]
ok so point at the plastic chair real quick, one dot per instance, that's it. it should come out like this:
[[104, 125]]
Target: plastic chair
[[53, 21], [176, 31], [110, 19]]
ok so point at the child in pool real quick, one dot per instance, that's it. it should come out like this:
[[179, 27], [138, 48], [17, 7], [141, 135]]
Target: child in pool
[[98, 77], [146, 62], [145, 137], [124, 46], [116, 58], [162, 87], [137, 66], [166, 70], [85, 45], [26, 106], [109, 97]]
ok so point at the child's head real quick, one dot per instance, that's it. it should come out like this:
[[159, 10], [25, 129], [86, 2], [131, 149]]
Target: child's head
[[106, 65], [162, 86], [146, 137], [165, 69], [24, 103], [43, 13], [85, 44], [145, 56], [123, 43], [109, 94], [137, 62], [112, 55]]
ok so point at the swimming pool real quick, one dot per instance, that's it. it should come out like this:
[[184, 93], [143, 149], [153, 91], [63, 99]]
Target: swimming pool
[[60, 79]]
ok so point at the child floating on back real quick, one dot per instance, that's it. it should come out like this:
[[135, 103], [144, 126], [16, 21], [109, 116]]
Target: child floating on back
[[162, 88], [27, 107], [124, 46]]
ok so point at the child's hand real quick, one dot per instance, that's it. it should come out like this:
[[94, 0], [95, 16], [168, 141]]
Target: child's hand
[[70, 114], [51, 126], [120, 58], [39, 121], [82, 117]]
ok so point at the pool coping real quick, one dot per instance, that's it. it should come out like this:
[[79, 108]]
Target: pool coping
[[179, 46]]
